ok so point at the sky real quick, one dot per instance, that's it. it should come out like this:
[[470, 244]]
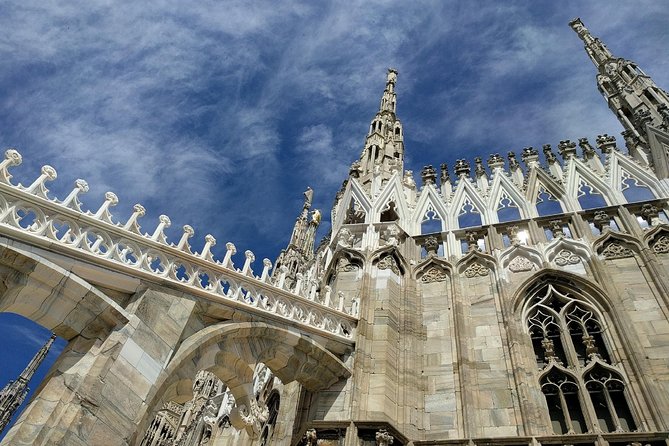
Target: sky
[[221, 113]]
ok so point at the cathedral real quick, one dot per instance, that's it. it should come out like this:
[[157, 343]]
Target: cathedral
[[517, 300]]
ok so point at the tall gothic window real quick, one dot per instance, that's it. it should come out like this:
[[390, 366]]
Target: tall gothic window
[[584, 391]]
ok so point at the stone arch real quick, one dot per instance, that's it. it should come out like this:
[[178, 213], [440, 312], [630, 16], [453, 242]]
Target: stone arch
[[432, 263], [401, 262], [51, 296], [473, 258], [231, 350], [658, 239], [625, 241], [579, 253], [534, 258], [582, 286]]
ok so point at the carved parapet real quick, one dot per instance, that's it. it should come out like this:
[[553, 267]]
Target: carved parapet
[[96, 239], [428, 175]]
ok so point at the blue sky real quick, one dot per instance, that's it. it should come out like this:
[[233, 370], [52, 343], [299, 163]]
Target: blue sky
[[221, 113]]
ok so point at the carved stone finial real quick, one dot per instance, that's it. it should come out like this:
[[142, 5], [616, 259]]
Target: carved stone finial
[[111, 198], [479, 171], [641, 117], [462, 168], [472, 241], [444, 173], [13, 157], [548, 153], [567, 149], [428, 175], [355, 170], [606, 143], [495, 161], [530, 156], [650, 213], [602, 221], [513, 162], [588, 150]]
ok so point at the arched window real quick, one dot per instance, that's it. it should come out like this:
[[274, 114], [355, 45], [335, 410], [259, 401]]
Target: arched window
[[469, 215], [635, 190], [507, 209], [568, 337], [589, 197], [547, 204], [564, 405], [431, 222]]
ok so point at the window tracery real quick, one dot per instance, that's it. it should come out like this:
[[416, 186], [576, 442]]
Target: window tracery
[[634, 189], [583, 391], [469, 214], [547, 204], [588, 196], [507, 209]]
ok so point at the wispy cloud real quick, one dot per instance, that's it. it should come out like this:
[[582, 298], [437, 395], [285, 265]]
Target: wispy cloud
[[187, 110]]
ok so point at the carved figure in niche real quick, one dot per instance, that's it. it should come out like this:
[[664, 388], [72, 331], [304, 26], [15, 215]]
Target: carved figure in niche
[[434, 274], [431, 245], [344, 265], [476, 269], [383, 438], [388, 262], [556, 228], [520, 264], [566, 257], [661, 246], [615, 250], [391, 235], [345, 238]]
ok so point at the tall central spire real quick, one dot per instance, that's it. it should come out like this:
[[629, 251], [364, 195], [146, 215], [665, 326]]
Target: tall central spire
[[383, 154]]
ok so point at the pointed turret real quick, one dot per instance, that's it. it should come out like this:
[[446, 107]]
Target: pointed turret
[[14, 393], [383, 154], [300, 249], [639, 104]]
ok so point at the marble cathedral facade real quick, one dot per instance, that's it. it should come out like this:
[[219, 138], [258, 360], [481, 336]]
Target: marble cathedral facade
[[509, 302], [518, 304]]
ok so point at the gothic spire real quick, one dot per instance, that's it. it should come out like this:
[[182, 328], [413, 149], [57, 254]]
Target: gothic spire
[[14, 393], [640, 105], [383, 153], [597, 51], [300, 249]]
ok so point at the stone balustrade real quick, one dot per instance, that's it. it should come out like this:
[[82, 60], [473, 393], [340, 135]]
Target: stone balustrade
[[30, 214]]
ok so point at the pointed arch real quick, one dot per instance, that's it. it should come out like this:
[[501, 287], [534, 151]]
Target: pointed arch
[[466, 198], [472, 260], [537, 180], [563, 318], [390, 251], [581, 182], [429, 205], [354, 192], [505, 195], [622, 168], [610, 237], [392, 192], [533, 255], [351, 256], [556, 252], [432, 262]]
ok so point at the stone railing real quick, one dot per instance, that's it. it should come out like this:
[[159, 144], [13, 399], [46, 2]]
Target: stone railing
[[27, 213]]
